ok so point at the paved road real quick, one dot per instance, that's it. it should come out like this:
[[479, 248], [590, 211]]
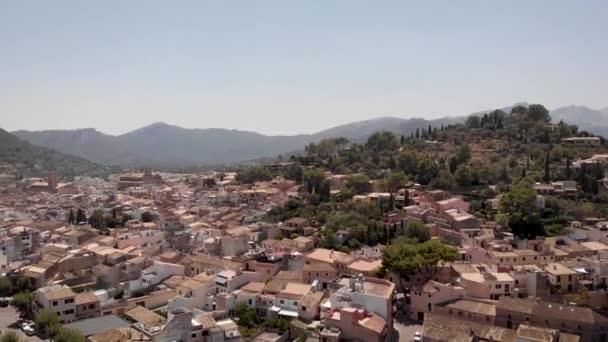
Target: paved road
[[8, 321], [404, 329]]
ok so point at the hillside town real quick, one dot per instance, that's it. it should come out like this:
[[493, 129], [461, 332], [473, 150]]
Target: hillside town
[[225, 256]]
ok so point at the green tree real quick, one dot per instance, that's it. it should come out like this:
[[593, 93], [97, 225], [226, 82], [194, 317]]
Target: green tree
[[111, 222], [68, 335], [357, 183], [147, 217], [23, 284], [519, 204], [463, 154], [464, 175], [97, 219], [254, 174], [403, 256], [313, 178], [547, 175], [325, 191], [444, 180], [118, 294], [22, 301], [536, 112], [47, 322], [125, 218], [71, 217], [473, 121], [395, 181], [407, 161], [6, 287], [10, 336], [419, 231], [80, 216], [427, 170], [382, 141]]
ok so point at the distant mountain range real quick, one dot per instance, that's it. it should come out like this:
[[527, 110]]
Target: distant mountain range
[[594, 121], [32, 160], [160, 144]]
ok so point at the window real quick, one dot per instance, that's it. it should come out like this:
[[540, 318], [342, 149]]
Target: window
[[282, 301], [570, 277], [250, 302], [487, 319], [68, 312], [460, 313], [303, 308], [54, 303], [70, 300], [498, 286], [193, 334], [559, 279]]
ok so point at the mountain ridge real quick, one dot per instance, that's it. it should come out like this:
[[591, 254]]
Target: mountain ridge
[[33, 160], [162, 144]]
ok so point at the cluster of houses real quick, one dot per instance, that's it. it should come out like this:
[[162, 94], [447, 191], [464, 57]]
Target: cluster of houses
[[179, 255]]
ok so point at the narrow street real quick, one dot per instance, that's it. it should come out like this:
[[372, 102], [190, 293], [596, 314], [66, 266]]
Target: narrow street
[[8, 321]]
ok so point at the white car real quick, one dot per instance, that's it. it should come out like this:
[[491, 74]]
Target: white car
[[28, 328], [417, 336]]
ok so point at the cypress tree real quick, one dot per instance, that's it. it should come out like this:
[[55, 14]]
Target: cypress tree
[[71, 218], [547, 166], [80, 216]]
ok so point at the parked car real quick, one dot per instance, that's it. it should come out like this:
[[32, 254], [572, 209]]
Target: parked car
[[28, 327], [417, 336]]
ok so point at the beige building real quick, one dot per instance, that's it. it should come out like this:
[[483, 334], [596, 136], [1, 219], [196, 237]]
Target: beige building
[[424, 300], [87, 305], [353, 324], [582, 141], [561, 277], [59, 299], [588, 324]]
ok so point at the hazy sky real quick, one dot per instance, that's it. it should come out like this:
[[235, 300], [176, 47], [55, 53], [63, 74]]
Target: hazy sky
[[284, 67]]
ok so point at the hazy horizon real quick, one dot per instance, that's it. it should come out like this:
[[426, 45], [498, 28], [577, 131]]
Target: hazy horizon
[[281, 68], [143, 125]]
